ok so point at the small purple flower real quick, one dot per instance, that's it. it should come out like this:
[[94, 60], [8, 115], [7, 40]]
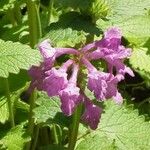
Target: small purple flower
[[56, 80], [46, 50], [97, 84], [91, 115], [111, 50], [96, 80], [112, 91], [122, 68], [70, 96], [111, 40], [48, 53], [37, 78]]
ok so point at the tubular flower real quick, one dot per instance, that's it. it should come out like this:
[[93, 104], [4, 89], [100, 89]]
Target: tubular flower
[[70, 96], [63, 82], [56, 80], [92, 114], [96, 80], [111, 50]]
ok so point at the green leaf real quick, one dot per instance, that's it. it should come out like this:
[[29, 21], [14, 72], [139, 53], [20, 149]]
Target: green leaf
[[21, 111], [140, 59], [77, 22], [128, 8], [16, 56], [66, 37], [122, 127], [96, 142], [4, 115], [47, 108], [136, 29], [21, 108], [16, 138], [16, 81]]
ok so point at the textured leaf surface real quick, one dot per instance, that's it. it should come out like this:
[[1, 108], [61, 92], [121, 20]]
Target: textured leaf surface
[[15, 139], [16, 56], [127, 8], [122, 126], [4, 115], [95, 142], [71, 29], [47, 109], [140, 59], [66, 37], [136, 29]]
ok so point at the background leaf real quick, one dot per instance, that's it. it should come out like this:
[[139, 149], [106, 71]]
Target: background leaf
[[122, 126], [16, 138], [16, 56], [47, 108], [140, 59], [65, 37]]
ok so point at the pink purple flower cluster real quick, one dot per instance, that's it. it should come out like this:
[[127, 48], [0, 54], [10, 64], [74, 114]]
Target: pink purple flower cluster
[[60, 82]]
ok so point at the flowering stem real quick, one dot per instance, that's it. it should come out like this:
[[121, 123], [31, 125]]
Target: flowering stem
[[10, 106], [31, 119], [66, 65], [74, 128], [89, 66], [34, 22], [73, 78]]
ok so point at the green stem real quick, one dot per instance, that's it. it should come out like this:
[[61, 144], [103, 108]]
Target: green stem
[[44, 136], [31, 119], [11, 16], [74, 128], [34, 22], [32, 106], [10, 106], [17, 13], [55, 134], [36, 134], [50, 11]]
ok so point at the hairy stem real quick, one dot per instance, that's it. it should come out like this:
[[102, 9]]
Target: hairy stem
[[10, 105], [31, 119], [74, 128], [34, 22]]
